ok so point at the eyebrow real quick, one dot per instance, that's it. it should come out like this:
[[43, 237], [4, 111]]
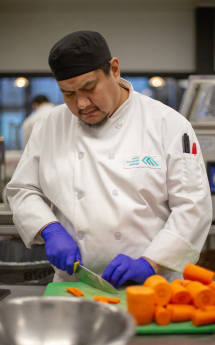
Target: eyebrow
[[82, 87]]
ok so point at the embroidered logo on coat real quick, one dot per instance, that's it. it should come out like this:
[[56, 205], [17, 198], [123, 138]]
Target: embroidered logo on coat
[[142, 161], [149, 160]]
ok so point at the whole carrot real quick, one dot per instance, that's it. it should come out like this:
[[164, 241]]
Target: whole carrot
[[180, 295], [141, 303], [180, 312], [161, 287], [201, 294], [197, 273], [162, 316], [201, 318], [76, 292]]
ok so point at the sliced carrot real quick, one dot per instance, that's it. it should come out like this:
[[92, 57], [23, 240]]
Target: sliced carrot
[[212, 286], [162, 316], [141, 303], [209, 308], [197, 273], [185, 282], [177, 281], [180, 312], [76, 292], [201, 317], [102, 301], [180, 295], [181, 282], [161, 287], [201, 294], [107, 299]]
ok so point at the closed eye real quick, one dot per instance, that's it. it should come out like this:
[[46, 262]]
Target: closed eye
[[69, 94]]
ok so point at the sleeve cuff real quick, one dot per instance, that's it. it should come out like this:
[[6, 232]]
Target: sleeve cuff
[[30, 219], [171, 251]]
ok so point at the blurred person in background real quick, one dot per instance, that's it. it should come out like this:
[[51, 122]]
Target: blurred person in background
[[41, 107]]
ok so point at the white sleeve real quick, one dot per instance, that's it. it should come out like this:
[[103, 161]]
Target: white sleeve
[[30, 207], [190, 219]]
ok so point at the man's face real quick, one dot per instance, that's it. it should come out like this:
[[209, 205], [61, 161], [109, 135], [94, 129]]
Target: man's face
[[94, 96]]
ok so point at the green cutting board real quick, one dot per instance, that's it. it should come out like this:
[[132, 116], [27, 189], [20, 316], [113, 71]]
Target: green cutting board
[[58, 289]]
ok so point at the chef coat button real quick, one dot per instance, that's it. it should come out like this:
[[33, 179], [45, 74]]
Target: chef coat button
[[115, 192], [81, 155], [80, 195], [80, 235], [117, 235], [111, 156], [119, 125]]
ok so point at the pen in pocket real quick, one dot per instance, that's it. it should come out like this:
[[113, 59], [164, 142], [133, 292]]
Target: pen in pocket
[[186, 143]]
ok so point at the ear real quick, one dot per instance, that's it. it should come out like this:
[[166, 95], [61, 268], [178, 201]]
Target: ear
[[114, 69]]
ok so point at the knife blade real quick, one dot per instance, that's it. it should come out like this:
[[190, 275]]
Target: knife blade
[[92, 279]]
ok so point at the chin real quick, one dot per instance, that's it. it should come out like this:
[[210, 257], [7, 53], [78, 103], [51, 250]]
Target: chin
[[94, 123]]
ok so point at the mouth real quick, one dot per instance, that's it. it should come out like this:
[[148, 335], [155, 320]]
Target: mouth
[[89, 113]]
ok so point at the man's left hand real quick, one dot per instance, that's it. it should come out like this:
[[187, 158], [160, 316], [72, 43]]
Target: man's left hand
[[124, 268]]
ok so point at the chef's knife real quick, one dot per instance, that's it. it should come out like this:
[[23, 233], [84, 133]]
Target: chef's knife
[[92, 279]]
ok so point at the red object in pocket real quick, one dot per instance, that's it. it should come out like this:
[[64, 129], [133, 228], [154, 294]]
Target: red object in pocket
[[194, 149]]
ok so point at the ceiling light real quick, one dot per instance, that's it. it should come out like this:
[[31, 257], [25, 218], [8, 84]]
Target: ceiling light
[[21, 82], [156, 82]]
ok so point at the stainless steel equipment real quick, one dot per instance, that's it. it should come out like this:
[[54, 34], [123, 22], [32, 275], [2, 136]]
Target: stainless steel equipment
[[64, 321]]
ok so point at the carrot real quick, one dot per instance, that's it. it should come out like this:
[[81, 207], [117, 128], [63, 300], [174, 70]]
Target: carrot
[[177, 281], [74, 291], [102, 301], [107, 299], [180, 295], [209, 308], [180, 312], [181, 282], [197, 273], [162, 316], [185, 282], [161, 287], [141, 303], [203, 317], [201, 295], [212, 286]]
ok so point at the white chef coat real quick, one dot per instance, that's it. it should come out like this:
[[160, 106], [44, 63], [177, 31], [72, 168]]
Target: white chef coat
[[42, 110], [126, 187]]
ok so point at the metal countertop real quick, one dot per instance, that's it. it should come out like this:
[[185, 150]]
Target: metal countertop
[[185, 339]]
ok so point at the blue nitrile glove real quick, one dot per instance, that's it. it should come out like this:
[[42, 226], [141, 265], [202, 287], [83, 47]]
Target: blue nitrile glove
[[61, 250], [123, 268]]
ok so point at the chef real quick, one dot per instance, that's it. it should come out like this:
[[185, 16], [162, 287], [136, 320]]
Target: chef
[[104, 179], [42, 107]]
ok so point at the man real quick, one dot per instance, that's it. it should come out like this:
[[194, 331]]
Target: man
[[42, 107], [126, 201]]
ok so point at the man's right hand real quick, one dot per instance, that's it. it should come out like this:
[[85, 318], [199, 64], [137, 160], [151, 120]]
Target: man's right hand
[[61, 250]]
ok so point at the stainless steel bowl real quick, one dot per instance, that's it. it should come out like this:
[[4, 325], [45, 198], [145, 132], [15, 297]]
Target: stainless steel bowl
[[63, 321]]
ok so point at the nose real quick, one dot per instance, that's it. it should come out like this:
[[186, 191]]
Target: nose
[[83, 102]]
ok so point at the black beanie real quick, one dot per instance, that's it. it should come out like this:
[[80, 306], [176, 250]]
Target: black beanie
[[78, 53]]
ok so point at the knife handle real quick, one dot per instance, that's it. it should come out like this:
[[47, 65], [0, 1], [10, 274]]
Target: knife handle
[[76, 264]]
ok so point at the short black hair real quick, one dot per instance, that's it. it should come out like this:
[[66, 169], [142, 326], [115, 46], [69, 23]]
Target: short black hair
[[40, 99], [105, 68]]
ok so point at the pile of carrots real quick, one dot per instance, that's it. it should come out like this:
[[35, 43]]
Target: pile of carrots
[[182, 300]]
